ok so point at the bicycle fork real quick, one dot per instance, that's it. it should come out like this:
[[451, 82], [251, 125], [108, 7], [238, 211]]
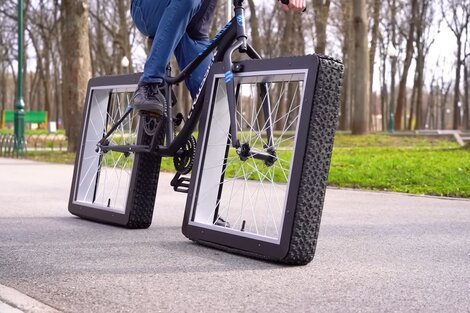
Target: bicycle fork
[[244, 151]]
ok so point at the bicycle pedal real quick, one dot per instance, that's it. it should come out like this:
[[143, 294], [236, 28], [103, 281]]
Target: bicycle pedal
[[180, 184]]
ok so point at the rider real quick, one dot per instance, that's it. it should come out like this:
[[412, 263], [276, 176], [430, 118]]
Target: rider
[[180, 27]]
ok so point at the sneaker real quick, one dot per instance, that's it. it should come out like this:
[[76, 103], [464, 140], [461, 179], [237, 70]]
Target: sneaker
[[149, 97], [221, 222]]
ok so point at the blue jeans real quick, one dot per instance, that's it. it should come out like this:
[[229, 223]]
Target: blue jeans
[[166, 21]]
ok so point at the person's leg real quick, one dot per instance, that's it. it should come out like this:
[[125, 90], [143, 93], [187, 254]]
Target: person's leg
[[146, 15], [186, 51], [171, 29], [166, 21]]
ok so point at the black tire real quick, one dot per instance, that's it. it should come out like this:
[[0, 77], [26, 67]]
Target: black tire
[[290, 235], [108, 186], [142, 198], [316, 165]]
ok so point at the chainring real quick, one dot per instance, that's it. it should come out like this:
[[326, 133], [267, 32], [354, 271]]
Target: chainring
[[184, 161], [150, 123]]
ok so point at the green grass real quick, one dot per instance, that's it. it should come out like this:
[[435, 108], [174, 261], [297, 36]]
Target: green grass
[[391, 141], [417, 165], [443, 172], [410, 165], [63, 157]]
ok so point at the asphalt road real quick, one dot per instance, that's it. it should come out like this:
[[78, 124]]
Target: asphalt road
[[377, 252]]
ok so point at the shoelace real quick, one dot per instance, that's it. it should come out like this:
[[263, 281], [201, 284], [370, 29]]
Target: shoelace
[[152, 91]]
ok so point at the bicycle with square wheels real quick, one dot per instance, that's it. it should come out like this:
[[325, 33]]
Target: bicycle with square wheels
[[255, 177]]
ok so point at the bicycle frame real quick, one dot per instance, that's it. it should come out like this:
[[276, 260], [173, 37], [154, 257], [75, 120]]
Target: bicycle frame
[[234, 201], [232, 37]]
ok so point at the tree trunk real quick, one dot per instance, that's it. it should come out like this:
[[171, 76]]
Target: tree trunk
[[43, 72], [384, 92], [373, 48], [254, 25], [430, 107], [466, 100], [456, 115], [292, 44], [321, 11], [421, 49], [457, 16], [76, 66], [3, 95], [26, 77], [348, 58], [360, 122], [401, 98], [420, 118], [123, 37], [393, 66], [412, 125], [46, 85], [393, 74], [444, 104]]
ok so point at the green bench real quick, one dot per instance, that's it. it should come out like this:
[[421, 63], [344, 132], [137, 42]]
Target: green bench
[[38, 117]]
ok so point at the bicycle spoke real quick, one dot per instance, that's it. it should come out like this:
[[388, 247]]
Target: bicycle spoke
[[251, 196], [106, 176]]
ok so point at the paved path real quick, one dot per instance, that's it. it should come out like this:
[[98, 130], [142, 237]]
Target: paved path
[[377, 252]]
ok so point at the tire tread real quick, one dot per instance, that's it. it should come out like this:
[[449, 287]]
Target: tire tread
[[145, 189], [311, 195]]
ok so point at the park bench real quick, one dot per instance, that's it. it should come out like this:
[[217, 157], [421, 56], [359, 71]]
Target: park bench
[[30, 117], [457, 135]]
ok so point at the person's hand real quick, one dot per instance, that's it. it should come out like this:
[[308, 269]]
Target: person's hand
[[293, 5]]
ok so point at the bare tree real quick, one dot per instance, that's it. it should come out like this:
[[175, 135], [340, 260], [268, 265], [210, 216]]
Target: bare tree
[[445, 90], [401, 97], [254, 25], [321, 9], [346, 31], [393, 56], [292, 44], [466, 83], [7, 56], [424, 41], [360, 122], [111, 36], [76, 65], [466, 100], [383, 78], [42, 31], [456, 13], [376, 8]]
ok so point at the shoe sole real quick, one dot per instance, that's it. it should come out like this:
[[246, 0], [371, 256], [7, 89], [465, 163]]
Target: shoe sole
[[148, 107]]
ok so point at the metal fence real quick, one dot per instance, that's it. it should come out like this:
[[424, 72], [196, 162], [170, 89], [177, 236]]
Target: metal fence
[[6, 145], [44, 142]]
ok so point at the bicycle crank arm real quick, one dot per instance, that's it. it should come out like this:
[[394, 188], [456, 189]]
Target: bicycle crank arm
[[125, 148]]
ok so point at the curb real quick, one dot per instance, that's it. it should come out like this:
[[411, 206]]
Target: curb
[[13, 301]]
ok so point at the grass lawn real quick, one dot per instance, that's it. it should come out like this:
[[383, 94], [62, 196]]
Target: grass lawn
[[63, 157], [417, 165], [411, 165]]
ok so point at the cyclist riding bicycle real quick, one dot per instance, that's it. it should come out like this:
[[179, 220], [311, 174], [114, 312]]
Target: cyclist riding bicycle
[[180, 27]]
